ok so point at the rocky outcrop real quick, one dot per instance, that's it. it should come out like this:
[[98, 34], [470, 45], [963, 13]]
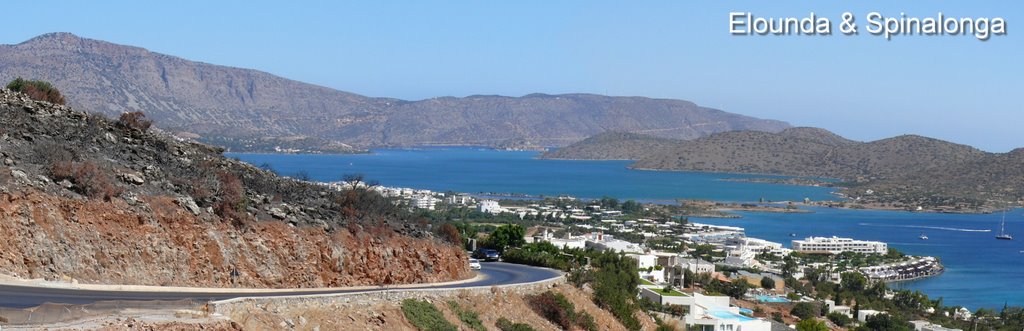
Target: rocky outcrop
[[93, 200]]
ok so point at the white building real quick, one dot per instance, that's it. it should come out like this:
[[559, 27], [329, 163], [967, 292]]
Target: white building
[[697, 266], [600, 241], [424, 201], [922, 325], [836, 245], [489, 206], [459, 199], [569, 242]]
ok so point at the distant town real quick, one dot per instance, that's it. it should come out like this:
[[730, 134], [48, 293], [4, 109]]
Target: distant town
[[680, 262]]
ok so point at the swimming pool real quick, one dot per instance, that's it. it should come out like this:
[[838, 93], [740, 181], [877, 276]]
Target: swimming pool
[[771, 299], [728, 315]]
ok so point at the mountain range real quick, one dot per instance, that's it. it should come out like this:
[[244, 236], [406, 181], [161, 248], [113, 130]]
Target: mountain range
[[909, 169], [250, 110]]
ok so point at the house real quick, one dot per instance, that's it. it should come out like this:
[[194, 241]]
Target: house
[[489, 206], [865, 313], [697, 266]]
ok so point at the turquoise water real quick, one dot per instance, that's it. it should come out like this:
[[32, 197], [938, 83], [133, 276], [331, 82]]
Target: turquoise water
[[727, 315], [981, 271], [476, 170], [770, 298]]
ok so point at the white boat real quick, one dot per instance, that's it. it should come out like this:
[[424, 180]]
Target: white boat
[[1002, 230], [923, 237]]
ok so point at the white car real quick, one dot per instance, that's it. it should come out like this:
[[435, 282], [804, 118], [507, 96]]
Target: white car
[[474, 264]]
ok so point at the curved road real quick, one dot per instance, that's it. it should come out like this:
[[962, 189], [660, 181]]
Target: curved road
[[15, 296]]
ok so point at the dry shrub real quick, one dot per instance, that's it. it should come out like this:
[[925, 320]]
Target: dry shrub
[[5, 176], [231, 203], [135, 120], [89, 178], [450, 233], [37, 90]]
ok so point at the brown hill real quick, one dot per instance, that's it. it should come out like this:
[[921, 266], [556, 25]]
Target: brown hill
[[105, 202], [908, 169], [252, 110]]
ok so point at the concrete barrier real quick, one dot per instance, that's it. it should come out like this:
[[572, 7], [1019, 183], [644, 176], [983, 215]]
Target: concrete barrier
[[225, 307]]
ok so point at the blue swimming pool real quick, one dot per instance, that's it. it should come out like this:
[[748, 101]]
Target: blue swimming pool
[[771, 299], [728, 315]]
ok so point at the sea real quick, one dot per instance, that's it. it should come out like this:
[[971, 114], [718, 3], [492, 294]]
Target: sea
[[981, 272]]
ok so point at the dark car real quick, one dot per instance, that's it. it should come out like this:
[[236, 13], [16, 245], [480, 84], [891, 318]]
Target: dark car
[[486, 254]]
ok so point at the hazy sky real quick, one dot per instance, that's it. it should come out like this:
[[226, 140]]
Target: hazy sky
[[863, 87]]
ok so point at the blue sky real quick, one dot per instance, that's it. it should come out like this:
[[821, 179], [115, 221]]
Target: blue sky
[[863, 87]]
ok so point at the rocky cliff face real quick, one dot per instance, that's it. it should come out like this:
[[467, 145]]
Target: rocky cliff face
[[253, 110], [96, 200]]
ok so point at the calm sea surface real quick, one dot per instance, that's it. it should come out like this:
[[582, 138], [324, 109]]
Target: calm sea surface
[[981, 271]]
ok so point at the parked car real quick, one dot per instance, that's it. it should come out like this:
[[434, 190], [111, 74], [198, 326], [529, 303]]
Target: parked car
[[486, 254], [474, 264]]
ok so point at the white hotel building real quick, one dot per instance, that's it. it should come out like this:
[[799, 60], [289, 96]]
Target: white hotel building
[[836, 245]]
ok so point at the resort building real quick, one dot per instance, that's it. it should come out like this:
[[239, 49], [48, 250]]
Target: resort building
[[424, 202], [836, 245]]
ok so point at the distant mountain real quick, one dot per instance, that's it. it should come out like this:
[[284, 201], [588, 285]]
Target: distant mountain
[[253, 110], [908, 167]]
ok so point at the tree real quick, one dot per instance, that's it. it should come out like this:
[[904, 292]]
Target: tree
[[767, 283], [509, 235], [811, 325], [37, 90], [450, 234], [885, 322], [839, 319], [135, 120], [805, 310], [853, 282]]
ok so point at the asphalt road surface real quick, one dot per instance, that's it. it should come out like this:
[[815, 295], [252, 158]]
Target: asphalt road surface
[[11, 296]]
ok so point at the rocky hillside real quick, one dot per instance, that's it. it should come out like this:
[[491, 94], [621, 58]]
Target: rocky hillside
[[613, 146], [101, 201], [905, 167], [252, 110]]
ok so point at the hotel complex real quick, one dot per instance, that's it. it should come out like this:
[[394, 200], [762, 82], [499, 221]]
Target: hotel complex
[[836, 245]]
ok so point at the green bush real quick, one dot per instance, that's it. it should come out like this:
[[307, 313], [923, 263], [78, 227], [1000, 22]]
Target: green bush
[[505, 325], [542, 254], [805, 310], [37, 90], [468, 317], [425, 317], [811, 325], [839, 319]]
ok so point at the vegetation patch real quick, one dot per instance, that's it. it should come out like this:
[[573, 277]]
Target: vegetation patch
[[468, 317], [37, 90], [559, 310], [425, 316], [505, 325]]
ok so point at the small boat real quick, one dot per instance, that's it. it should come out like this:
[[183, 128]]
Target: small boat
[[1002, 230], [792, 234], [923, 237]]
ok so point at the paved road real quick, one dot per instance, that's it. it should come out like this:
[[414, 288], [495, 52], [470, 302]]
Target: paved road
[[498, 273]]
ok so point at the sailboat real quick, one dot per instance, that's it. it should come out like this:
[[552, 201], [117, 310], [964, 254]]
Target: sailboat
[[1002, 230]]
